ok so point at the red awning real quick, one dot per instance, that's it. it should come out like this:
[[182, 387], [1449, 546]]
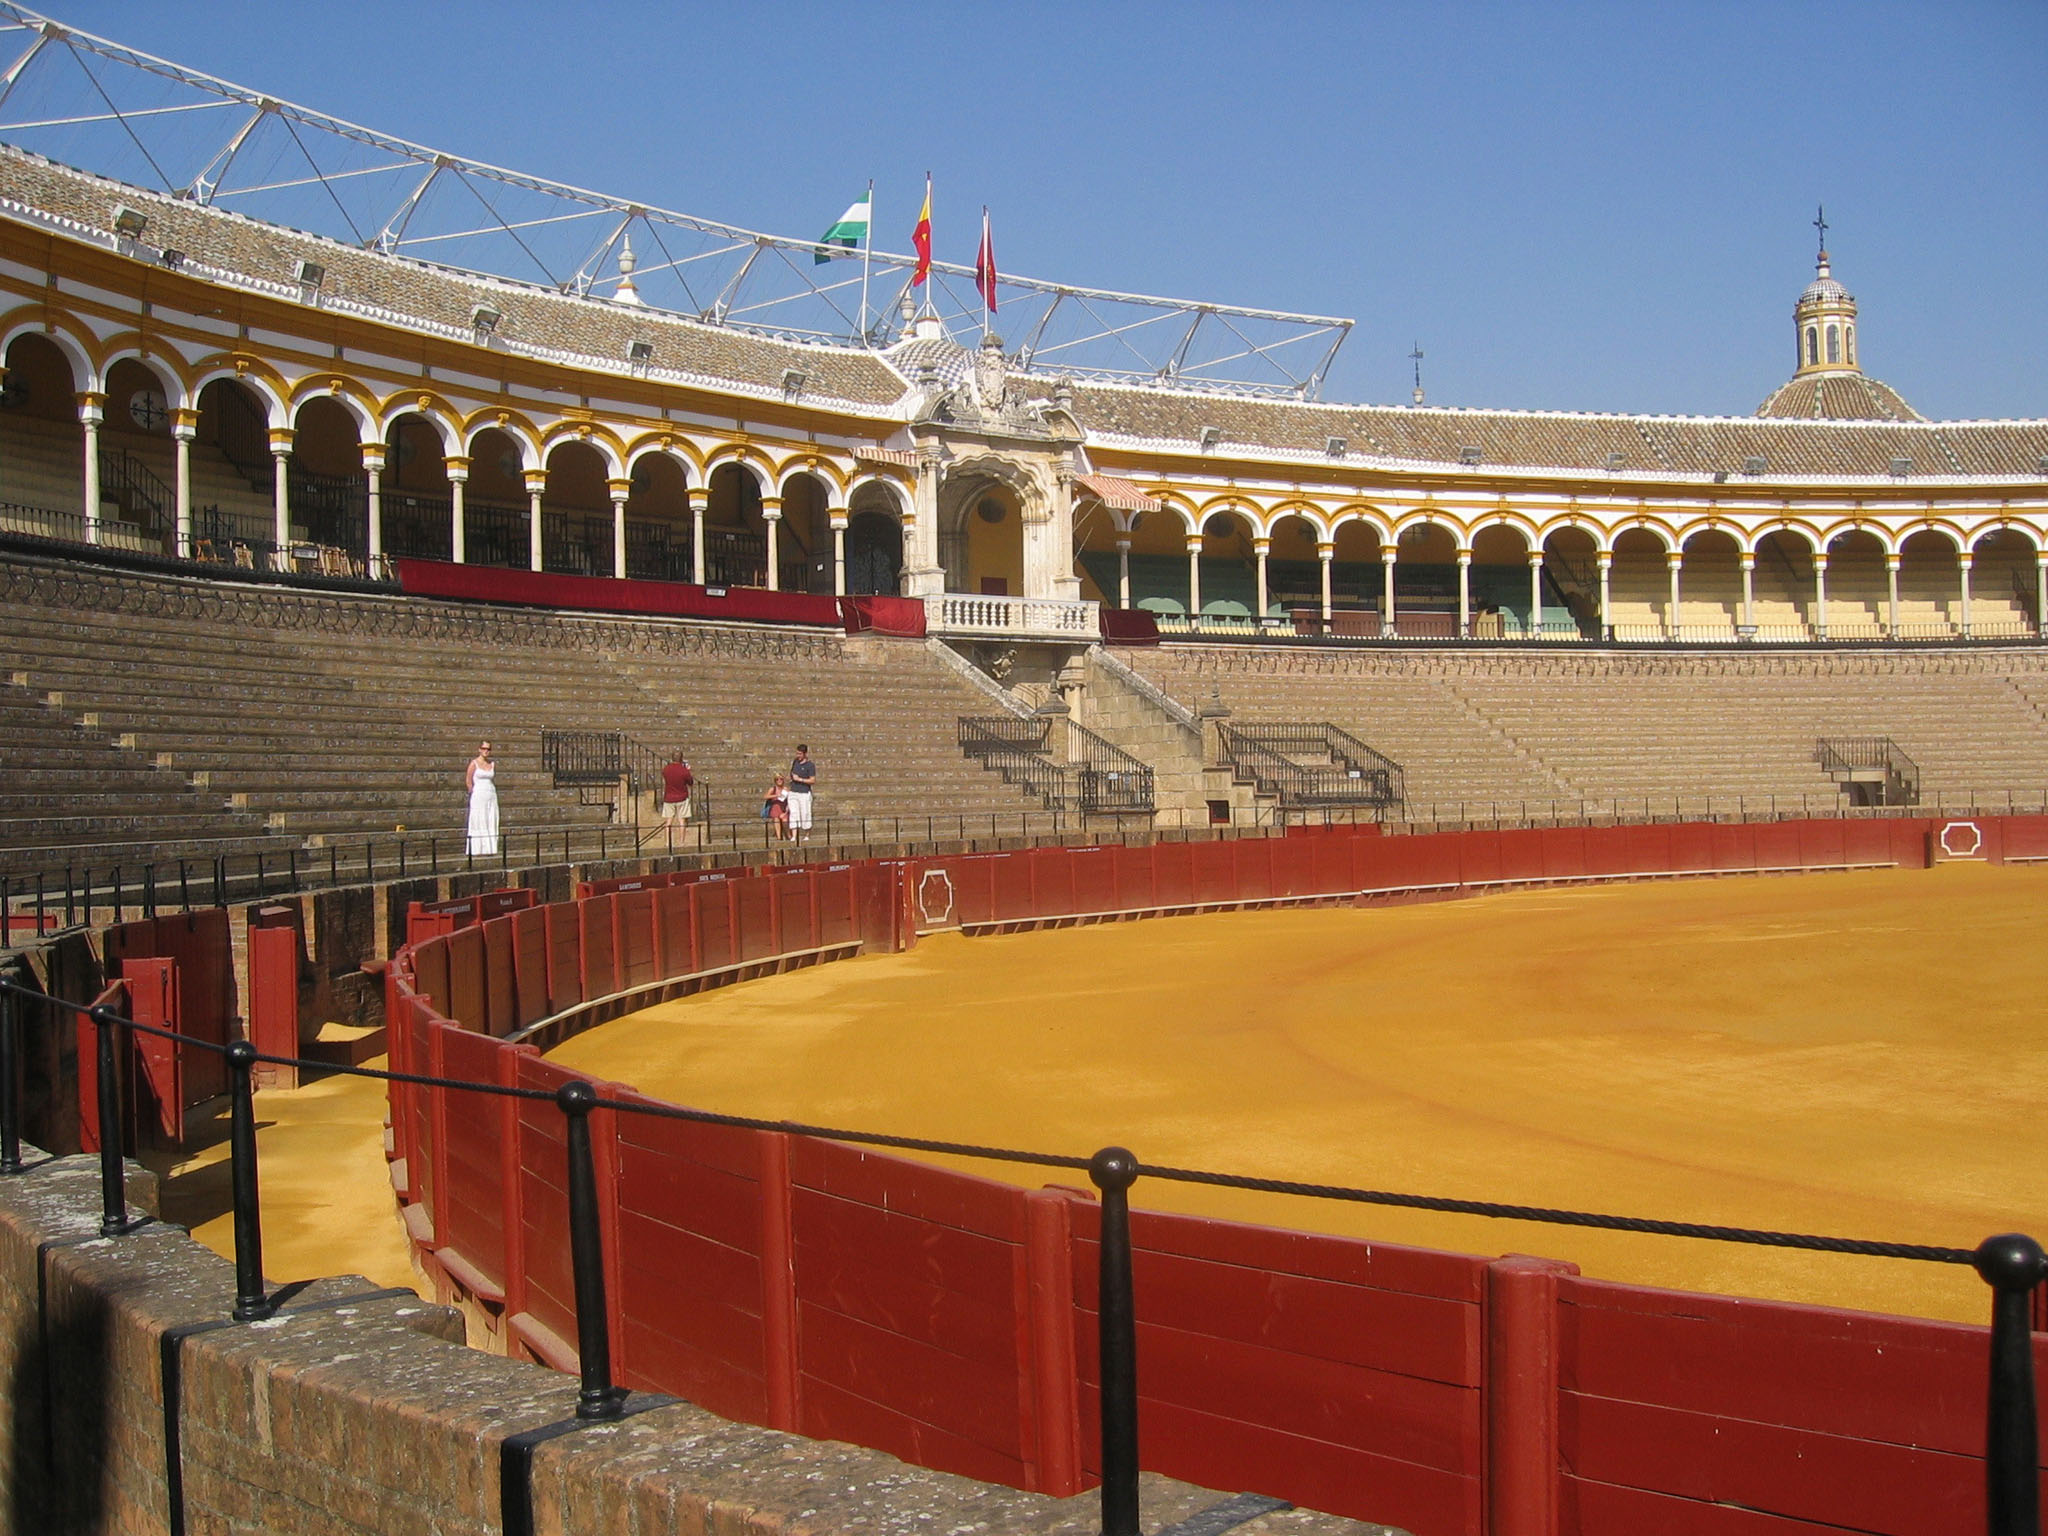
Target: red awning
[[1124, 495], [902, 456]]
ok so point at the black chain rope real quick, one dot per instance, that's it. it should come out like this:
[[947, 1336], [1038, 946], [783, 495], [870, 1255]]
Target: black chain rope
[[1754, 1236]]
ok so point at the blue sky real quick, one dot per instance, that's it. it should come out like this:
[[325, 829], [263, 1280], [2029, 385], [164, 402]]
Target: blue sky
[[1570, 206]]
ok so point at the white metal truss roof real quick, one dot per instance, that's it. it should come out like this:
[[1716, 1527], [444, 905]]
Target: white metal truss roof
[[96, 105]]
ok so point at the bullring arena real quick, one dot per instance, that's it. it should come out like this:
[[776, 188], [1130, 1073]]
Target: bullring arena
[[1548, 900]]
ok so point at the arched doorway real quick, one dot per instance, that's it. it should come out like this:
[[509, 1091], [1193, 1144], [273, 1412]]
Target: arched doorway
[[1930, 586], [874, 553], [658, 530], [1571, 585], [418, 504], [575, 513], [735, 541], [1710, 587], [1639, 587]]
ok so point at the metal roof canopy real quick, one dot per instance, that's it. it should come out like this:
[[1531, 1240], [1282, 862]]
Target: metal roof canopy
[[110, 110]]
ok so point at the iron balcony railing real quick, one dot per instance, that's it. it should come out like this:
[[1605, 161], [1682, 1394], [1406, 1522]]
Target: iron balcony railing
[[1844, 756]]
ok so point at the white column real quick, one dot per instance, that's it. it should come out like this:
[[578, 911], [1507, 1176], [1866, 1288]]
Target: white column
[[1964, 560], [699, 498], [91, 411], [1604, 559], [1464, 594], [281, 494], [2041, 592], [1891, 581], [1536, 594], [1748, 590], [1820, 593], [620, 490], [1674, 561], [838, 517], [1326, 558], [1195, 577], [1123, 573], [373, 466], [1261, 548], [458, 482], [184, 430], [1388, 555], [771, 519], [536, 482]]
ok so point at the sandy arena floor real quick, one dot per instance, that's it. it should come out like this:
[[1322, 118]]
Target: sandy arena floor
[[1863, 1055]]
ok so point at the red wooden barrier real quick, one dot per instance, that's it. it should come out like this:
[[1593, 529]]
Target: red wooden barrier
[[529, 966], [501, 987], [467, 998], [153, 999], [633, 917]]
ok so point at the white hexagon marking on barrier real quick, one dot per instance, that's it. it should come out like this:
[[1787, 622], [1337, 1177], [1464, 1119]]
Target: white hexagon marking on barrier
[[939, 880], [1958, 848]]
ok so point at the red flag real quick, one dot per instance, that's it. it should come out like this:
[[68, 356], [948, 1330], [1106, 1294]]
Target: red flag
[[921, 237], [985, 266]]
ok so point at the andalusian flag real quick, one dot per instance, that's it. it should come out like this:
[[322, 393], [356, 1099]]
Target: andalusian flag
[[850, 232], [921, 237]]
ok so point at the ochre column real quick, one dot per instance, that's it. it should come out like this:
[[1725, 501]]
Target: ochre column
[[771, 518], [699, 498], [373, 467], [92, 407], [620, 490], [536, 483], [281, 494], [458, 482], [184, 431]]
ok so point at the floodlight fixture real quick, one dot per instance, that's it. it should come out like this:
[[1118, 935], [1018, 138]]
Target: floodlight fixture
[[639, 353], [129, 224], [171, 257], [1336, 447], [1901, 467], [793, 381], [1755, 464], [310, 274], [486, 320], [1209, 437], [1616, 459], [1470, 453]]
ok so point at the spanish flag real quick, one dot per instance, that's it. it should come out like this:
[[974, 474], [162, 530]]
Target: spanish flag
[[921, 237]]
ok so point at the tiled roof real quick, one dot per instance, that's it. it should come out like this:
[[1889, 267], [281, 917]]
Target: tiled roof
[[1698, 445], [405, 291], [1838, 397]]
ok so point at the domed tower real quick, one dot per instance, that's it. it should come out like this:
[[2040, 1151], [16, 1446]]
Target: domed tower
[[1826, 379]]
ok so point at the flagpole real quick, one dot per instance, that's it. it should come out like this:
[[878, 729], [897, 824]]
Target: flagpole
[[985, 286], [928, 286], [867, 246]]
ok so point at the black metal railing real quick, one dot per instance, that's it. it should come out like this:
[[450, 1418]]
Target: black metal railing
[[1307, 764], [418, 527], [578, 758], [496, 536], [145, 501], [1107, 779], [1016, 747], [332, 509], [576, 543], [734, 558], [2011, 1264], [658, 551], [1845, 757]]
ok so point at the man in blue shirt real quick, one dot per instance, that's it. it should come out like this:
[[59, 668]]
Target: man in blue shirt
[[803, 778]]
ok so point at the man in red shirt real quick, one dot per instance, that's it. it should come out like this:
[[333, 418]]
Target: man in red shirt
[[676, 782]]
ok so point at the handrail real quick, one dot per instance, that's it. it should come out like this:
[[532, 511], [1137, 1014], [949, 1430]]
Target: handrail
[[1015, 747], [1266, 751], [1110, 779]]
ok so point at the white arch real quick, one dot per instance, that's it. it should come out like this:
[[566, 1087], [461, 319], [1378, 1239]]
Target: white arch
[[72, 349], [276, 409]]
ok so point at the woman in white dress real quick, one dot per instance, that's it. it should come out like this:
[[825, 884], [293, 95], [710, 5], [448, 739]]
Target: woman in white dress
[[483, 803]]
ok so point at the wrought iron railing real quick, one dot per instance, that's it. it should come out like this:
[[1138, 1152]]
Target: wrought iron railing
[[1311, 763], [138, 490], [1844, 757], [1107, 779], [1016, 747], [577, 758]]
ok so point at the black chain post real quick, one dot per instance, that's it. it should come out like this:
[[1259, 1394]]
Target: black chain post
[[113, 1177], [2012, 1265], [251, 1302], [597, 1398], [10, 1082], [1114, 1171]]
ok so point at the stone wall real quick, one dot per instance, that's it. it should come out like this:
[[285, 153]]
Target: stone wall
[[356, 1412]]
